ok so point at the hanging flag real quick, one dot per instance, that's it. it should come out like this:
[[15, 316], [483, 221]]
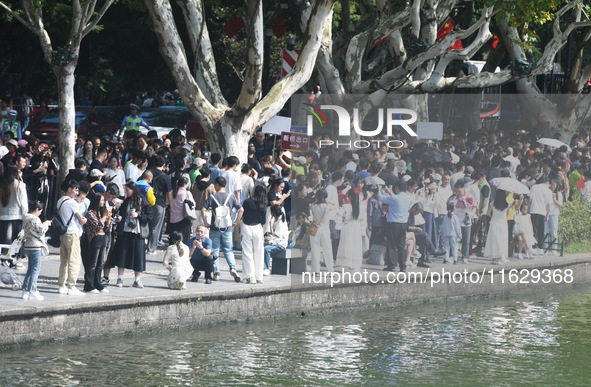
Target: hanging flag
[[494, 42], [279, 27], [234, 25], [447, 27], [288, 61]]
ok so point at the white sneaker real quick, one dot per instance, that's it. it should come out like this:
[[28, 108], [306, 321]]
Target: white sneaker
[[266, 272], [25, 295], [36, 296], [519, 255], [105, 290], [94, 291], [415, 254], [62, 290], [75, 292]]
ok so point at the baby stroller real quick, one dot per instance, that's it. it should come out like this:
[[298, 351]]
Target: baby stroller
[[8, 255]]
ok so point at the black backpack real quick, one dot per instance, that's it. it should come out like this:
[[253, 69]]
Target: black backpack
[[58, 227]]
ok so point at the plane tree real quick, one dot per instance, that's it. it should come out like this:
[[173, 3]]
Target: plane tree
[[229, 125], [72, 22], [411, 47]]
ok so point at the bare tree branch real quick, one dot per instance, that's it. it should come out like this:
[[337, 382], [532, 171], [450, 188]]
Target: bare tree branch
[[285, 88], [205, 64], [252, 85], [173, 53], [16, 16]]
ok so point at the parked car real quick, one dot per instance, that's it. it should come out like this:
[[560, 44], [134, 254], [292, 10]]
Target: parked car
[[88, 121], [166, 118]]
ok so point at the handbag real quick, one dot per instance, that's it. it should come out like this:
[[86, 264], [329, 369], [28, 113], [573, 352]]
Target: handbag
[[189, 210], [517, 229], [313, 228]]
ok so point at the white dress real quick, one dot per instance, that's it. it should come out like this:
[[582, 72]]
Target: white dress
[[497, 240], [350, 254], [181, 266]]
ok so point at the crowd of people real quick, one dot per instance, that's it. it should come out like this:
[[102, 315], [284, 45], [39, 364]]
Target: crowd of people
[[123, 197]]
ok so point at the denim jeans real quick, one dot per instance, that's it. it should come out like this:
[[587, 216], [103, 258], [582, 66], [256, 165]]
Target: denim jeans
[[551, 229], [155, 227], [222, 240], [30, 282], [466, 231], [269, 251]]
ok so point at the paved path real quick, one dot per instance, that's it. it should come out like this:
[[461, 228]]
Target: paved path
[[154, 280]]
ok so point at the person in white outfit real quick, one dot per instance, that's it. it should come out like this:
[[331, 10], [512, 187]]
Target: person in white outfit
[[252, 236], [279, 236], [350, 254], [451, 230], [177, 261], [320, 244]]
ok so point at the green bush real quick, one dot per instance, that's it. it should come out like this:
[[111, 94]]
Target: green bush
[[575, 221]]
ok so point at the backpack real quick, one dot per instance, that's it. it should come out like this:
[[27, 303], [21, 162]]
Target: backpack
[[58, 227], [222, 214]]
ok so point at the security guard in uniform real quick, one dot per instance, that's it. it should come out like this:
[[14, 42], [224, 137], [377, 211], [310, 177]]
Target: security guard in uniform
[[133, 122], [12, 125]]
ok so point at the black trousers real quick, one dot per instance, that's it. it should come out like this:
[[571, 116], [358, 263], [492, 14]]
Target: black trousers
[[538, 223], [204, 265], [93, 262], [424, 244], [396, 239]]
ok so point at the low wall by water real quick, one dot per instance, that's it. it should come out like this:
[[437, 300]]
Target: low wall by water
[[173, 309]]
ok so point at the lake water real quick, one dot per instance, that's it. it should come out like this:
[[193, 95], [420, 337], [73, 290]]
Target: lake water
[[536, 340]]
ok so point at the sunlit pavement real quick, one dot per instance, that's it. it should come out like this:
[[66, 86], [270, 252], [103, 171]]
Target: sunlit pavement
[[155, 286]]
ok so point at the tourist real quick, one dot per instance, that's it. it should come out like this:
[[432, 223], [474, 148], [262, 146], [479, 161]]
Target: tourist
[[178, 221], [201, 255], [464, 207], [497, 244], [98, 223], [399, 203], [88, 152], [277, 241], [35, 248], [114, 173], [222, 238], [540, 201], [524, 232], [320, 243], [252, 238], [128, 252], [162, 191], [451, 231], [13, 204], [70, 255], [350, 253], [551, 226], [177, 261]]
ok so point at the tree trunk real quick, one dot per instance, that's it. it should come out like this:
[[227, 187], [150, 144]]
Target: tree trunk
[[67, 116], [230, 137]]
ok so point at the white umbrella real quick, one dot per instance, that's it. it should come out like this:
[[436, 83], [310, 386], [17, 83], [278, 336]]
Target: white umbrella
[[553, 143], [510, 185]]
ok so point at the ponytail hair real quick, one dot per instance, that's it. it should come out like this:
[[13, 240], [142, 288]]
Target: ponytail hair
[[450, 209], [176, 238]]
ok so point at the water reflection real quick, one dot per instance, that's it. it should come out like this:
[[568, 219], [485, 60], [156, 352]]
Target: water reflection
[[506, 342]]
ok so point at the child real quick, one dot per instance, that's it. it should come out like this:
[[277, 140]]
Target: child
[[451, 232], [524, 231]]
